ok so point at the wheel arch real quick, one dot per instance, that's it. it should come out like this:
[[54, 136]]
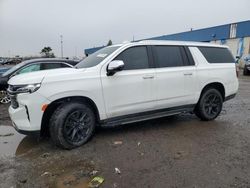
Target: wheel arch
[[56, 103], [216, 85]]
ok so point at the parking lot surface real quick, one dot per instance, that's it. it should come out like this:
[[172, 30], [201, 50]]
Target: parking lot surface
[[179, 151]]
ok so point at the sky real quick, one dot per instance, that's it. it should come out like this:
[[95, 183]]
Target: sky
[[26, 26]]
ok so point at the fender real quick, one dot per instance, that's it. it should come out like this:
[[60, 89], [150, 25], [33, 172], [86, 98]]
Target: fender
[[81, 93]]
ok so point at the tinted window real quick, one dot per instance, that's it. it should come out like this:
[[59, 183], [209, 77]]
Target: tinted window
[[168, 56], [134, 58], [63, 65], [29, 68], [72, 62], [97, 57], [46, 66], [189, 56], [217, 55]]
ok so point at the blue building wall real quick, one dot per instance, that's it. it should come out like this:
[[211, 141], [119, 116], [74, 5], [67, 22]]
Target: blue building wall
[[201, 35], [92, 50], [243, 29]]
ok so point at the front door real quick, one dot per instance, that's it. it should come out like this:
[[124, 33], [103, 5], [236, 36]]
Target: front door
[[129, 91]]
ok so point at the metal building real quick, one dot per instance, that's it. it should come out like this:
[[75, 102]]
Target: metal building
[[235, 35]]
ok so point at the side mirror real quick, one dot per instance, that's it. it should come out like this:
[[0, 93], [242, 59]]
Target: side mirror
[[237, 57], [114, 66]]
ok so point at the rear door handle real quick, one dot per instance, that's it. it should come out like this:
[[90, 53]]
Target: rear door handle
[[188, 74], [148, 77]]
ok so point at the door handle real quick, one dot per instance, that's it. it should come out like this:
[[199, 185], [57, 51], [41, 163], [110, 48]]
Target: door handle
[[148, 77], [188, 74]]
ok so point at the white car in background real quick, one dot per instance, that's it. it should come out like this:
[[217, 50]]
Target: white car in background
[[121, 84]]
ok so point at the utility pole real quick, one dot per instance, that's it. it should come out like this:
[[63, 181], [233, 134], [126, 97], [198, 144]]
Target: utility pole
[[75, 51], [61, 37]]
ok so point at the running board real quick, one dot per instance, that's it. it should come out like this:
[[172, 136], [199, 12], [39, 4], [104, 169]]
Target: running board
[[132, 118]]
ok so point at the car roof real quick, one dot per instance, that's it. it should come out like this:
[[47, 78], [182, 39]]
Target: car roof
[[174, 43], [42, 60], [50, 60]]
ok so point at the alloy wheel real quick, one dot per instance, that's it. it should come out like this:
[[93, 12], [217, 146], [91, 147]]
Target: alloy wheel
[[4, 97], [212, 104], [77, 127]]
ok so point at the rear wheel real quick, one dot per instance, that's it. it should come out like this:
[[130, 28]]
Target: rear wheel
[[72, 125], [209, 105]]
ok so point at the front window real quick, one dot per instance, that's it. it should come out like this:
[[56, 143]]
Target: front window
[[134, 58], [30, 68], [97, 57]]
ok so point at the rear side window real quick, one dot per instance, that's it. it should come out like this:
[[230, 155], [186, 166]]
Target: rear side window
[[168, 56], [134, 58], [217, 55], [63, 65], [46, 66]]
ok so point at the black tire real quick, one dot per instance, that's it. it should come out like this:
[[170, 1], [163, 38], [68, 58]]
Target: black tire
[[72, 125], [245, 71], [209, 105]]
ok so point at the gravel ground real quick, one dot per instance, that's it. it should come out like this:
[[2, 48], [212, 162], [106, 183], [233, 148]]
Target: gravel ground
[[179, 151]]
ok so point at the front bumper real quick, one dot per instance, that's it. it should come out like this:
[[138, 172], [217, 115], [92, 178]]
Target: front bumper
[[27, 117], [28, 133]]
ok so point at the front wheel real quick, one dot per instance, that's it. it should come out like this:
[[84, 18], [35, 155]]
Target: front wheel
[[72, 125], [4, 97], [209, 105]]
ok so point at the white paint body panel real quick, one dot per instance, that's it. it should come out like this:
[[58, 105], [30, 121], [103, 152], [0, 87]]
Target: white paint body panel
[[126, 92]]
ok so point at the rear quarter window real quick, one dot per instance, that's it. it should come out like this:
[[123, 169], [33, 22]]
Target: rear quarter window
[[217, 55]]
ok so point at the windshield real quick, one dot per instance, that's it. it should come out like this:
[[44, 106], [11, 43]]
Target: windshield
[[97, 57], [13, 69]]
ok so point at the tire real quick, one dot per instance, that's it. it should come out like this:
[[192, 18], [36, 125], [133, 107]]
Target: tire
[[72, 125], [209, 105], [245, 71]]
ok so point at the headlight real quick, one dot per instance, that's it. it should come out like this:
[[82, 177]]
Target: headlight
[[29, 88]]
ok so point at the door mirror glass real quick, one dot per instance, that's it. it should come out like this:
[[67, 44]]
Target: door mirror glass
[[114, 66]]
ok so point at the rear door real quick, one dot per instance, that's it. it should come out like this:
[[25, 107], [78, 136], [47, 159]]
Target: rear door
[[175, 76]]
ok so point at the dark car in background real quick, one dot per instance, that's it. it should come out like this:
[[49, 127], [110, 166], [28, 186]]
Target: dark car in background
[[31, 66], [4, 69]]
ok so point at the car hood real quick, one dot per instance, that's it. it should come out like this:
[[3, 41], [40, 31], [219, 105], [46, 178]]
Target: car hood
[[38, 77]]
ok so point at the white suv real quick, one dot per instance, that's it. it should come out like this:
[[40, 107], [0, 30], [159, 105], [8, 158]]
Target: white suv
[[121, 84]]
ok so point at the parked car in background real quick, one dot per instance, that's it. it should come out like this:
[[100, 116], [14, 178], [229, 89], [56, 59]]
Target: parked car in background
[[246, 70], [13, 61], [2, 61], [31, 66], [3, 70], [121, 84]]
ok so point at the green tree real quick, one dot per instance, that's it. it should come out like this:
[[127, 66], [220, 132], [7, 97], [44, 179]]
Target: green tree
[[109, 43], [47, 52]]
